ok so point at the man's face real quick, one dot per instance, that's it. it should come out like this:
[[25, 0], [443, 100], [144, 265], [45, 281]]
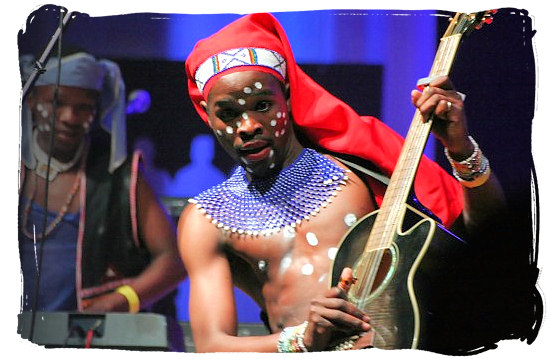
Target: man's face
[[76, 109], [249, 114]]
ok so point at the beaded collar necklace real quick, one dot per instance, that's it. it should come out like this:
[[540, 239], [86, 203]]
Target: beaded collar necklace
[[265, 206]]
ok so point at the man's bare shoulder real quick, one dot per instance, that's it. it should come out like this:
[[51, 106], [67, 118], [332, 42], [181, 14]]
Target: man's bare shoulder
[[194, 228]]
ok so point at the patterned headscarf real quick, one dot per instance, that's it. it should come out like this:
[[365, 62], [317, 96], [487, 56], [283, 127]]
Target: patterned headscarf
[[84, 71], [324, 119]]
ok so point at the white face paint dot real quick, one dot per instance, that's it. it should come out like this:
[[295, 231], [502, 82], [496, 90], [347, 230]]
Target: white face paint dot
[[247, 90], [229, 130], [271, 166], [312, 239], [307, 269], [273, 123], [258, 85], [238, 124], [244, 115], [283, 131], [271, 154], [332, 252], [241, 101], [279, 115], [350, 219], [218, 132], [284, 115], [276, 133]]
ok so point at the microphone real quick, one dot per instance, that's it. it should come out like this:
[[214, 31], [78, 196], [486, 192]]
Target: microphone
[[139, 102]]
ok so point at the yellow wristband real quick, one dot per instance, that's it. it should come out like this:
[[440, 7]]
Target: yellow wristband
[[131, 296]]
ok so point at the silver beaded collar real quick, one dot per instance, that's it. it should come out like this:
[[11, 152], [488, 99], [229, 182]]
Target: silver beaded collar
[[265, 206]]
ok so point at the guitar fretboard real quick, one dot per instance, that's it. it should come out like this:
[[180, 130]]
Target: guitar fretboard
[[393, 206]]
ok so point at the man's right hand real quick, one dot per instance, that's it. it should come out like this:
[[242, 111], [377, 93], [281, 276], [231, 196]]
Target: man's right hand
[[332, 315]]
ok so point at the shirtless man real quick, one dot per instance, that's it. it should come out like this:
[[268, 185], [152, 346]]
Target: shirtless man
[[272, 229]]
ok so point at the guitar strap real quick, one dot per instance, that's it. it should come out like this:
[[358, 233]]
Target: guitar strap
[[377, 175], [413, 201]]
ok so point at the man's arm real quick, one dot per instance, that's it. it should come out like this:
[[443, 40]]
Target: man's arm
[[211, 301], [483, 202], [166, 268]]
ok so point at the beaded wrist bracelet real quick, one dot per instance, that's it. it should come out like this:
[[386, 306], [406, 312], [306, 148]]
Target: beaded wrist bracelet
[[473, 171], [291, 339]]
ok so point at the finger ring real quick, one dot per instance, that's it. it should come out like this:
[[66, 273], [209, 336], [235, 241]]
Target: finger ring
[[449, 106]]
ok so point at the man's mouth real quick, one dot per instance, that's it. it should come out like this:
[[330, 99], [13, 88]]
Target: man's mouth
[[255, 151]]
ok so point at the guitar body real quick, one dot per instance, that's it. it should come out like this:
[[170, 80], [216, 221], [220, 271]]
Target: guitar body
[[394, 305]]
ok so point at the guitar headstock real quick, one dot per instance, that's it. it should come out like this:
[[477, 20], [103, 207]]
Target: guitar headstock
[[463, 23]]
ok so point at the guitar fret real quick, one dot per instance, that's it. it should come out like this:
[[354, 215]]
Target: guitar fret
[[391, 210]]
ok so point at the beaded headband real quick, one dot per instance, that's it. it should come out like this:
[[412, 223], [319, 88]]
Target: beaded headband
[[239, 57]]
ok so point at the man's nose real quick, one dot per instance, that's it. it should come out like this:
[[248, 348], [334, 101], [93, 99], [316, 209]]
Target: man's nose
[[248, 126], [67, 114]]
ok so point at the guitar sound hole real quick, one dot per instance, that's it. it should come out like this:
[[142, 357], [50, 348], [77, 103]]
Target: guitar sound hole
[[383, 269]]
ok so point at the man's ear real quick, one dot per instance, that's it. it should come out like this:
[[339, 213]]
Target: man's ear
[[203, 105]]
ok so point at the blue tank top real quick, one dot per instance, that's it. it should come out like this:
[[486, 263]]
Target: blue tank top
[[58, 270]]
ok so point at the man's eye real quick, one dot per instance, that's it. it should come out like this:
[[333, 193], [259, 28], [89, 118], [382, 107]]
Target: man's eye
[[85, 109], [263, 106], [226, 115]]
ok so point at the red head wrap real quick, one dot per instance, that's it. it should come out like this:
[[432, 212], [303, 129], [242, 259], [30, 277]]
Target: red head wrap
[[324, 119]]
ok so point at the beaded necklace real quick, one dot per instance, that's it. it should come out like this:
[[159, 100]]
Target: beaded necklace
[[60, 214], [264, 206]]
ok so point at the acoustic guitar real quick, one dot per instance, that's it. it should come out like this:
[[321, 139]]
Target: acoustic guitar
[[387, 248]]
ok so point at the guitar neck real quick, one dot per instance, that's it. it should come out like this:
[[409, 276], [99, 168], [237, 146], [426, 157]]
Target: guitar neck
[[393, 206]]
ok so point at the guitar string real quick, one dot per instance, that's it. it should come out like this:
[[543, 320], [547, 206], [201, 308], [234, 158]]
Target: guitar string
[[419, 137]]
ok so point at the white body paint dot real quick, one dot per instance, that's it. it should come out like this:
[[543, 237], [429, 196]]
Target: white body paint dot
[[350, 219], [229, 130], [258, 85], [307, 269], [289, 232], [312, 239], [247, 90], [332, 252], [241, 101], [273, 123], [285, 263], [261, 265]]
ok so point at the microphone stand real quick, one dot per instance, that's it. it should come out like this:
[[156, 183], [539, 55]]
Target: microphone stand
[[39, 69], [40, 63]]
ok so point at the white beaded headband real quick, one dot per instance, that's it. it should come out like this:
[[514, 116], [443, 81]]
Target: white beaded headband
[[238, 57]]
